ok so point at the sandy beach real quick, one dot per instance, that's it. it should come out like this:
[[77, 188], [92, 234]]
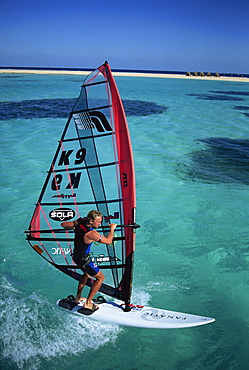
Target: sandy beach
[[130, 74]]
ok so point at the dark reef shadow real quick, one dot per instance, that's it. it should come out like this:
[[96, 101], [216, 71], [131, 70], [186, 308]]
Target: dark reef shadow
[[242, 108], [60, 108], [222, 160]]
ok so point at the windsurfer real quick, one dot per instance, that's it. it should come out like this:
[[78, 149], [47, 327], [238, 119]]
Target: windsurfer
[[85, 234]]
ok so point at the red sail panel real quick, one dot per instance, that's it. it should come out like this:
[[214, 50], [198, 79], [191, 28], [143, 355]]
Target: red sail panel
[[125, 158], [127, 180], [35, 222]]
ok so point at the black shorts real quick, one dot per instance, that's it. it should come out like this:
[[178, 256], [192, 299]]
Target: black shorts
[[90, 268]]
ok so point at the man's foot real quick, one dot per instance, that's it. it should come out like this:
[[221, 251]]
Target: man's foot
[[90, 309]]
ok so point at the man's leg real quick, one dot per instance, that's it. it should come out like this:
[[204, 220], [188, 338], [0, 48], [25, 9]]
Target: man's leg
[[81, 285], [99, 278]]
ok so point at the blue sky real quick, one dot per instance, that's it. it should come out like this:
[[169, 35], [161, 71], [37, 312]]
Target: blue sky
[[176, 35]]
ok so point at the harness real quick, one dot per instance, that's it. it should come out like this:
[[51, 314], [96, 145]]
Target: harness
[[84, 260], [81, 249]]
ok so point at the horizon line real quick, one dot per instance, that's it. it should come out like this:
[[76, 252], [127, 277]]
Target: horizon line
[[225, 74]]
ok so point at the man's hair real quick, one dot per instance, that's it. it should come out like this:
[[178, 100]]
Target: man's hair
[[92, 215]]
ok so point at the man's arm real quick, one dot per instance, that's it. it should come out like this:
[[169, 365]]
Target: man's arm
[[69, 224], [93, 235]]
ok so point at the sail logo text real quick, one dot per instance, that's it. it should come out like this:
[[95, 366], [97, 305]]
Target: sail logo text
[[62, 214], [90, 120], [160, 314], [72, 178], [115, 216], [61, 250], [102, 258], [66, 196], [125, 179]]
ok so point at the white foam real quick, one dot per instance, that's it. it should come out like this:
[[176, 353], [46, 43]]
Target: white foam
[[140, 297], [33, 329]]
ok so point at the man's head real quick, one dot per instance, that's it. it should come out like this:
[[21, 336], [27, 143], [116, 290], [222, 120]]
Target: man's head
[[94, 218]]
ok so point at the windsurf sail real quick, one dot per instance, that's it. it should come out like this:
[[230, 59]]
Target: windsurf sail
[[92, 168]]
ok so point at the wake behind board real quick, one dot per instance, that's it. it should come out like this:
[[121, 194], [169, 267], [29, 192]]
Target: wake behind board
[[138, 316]]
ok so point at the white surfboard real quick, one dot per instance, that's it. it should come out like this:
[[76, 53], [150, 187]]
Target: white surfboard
[[138, 316]]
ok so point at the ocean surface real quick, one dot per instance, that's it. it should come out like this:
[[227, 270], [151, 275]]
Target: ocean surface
[[190, 141]]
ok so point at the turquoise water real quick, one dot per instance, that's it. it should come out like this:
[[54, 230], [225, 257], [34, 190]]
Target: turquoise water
[[191, 150]]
